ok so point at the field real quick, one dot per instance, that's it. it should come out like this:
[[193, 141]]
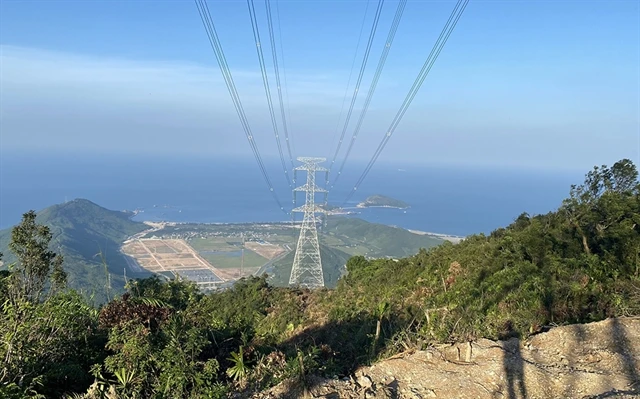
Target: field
[[265, 250], [172, 255], [268, 247], [231, 260], [225, 253]]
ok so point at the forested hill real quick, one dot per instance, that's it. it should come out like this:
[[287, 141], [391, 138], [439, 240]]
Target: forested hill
[[85, 234], [393, 241]]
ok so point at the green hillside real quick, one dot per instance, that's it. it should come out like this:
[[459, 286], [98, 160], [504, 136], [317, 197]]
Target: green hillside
[[82, 231], [333, 266], [344, 237], [384, 240]]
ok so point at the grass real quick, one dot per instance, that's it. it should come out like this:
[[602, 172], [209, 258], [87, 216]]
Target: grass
[[351, 250], [224, 261], [212, 244]]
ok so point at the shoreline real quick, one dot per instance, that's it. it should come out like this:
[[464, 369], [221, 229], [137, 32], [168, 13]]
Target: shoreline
[[447, 237], [155, 225], [361, 206]]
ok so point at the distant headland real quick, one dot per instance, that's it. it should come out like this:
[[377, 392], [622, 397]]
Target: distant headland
[[382, 201]]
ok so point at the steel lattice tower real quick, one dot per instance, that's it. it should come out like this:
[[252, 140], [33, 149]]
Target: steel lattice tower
[[307, 266]]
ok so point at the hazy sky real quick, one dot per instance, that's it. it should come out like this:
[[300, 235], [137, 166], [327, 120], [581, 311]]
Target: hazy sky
[[544, 84]]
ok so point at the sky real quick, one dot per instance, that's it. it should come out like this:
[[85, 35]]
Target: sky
[[531, 84]]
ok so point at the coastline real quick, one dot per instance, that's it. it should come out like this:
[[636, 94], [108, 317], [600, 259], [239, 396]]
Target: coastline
[[155, 225], [446, 237], [363, 206]]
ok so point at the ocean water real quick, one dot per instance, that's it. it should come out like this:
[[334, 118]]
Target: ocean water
[[457, 201]]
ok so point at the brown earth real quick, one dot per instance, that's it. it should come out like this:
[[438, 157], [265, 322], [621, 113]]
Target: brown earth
[[268, 251], [596, 360]]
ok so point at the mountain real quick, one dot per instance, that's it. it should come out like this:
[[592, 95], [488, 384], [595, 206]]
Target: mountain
[[86, 234]]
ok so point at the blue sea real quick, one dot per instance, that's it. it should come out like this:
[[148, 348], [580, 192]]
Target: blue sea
[[443, 199]]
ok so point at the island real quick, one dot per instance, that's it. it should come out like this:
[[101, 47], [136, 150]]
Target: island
[[332, 210], [382, 201]]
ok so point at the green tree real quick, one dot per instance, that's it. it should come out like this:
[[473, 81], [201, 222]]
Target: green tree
[[37, 265]]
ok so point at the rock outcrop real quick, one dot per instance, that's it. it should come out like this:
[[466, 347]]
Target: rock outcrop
[[596, 360]]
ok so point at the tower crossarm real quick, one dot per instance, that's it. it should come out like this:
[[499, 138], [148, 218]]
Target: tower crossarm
[[309, 208], [307, 187]]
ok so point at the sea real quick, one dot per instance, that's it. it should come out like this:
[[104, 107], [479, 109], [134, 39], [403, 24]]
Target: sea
[[444, 199]]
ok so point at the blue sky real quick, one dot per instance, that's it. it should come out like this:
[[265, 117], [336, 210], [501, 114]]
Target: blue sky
[[532, 84]]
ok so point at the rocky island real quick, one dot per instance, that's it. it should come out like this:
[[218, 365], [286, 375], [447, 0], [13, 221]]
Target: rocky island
[[382, 201]]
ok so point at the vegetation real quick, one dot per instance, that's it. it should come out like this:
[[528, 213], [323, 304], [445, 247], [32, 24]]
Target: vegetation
[[89, 238], [381, 200], [167, 339], [333, 267], [379, 239]]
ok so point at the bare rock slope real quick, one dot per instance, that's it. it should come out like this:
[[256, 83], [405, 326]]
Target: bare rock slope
[[596, 360]]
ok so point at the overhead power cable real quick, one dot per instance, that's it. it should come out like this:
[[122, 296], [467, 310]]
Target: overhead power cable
[[356, 89], [214, 40], [428, 64], [284, 73], [265, 83], [353, 64], [277, 73], [374, 82]]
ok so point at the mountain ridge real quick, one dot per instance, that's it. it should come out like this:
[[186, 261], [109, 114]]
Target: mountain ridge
[[89, 237]]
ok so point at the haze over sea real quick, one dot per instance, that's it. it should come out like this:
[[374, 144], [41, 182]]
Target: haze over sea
[[443, 199]]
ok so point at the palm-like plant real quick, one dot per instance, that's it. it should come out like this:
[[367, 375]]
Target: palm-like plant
[[239, 370]]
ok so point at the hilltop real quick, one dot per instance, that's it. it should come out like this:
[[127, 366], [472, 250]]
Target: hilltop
[[86, 233]]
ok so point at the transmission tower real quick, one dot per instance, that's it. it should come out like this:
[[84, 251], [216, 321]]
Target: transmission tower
[[307, 266]]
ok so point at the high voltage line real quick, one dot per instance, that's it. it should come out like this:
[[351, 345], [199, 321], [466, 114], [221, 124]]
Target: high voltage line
[[265, 82], [207, 22], [212, 35], [284, 72], [277, 73], [353, 64], [356, 89], [428, 64], [374, 83]]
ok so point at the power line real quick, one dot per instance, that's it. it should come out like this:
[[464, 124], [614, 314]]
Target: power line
[[265, 83], [277, 73], [356, 89], [284, 74], [433, 55], [214, 40], [353, 64], [374, 82]]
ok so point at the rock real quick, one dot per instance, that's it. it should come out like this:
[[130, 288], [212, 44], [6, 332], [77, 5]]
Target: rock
[[590, 361], [365, 381]]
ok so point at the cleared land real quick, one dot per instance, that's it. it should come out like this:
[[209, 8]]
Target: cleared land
[[269, 247], [227, 260], [225, 253], [265, 250], [172, 255]]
